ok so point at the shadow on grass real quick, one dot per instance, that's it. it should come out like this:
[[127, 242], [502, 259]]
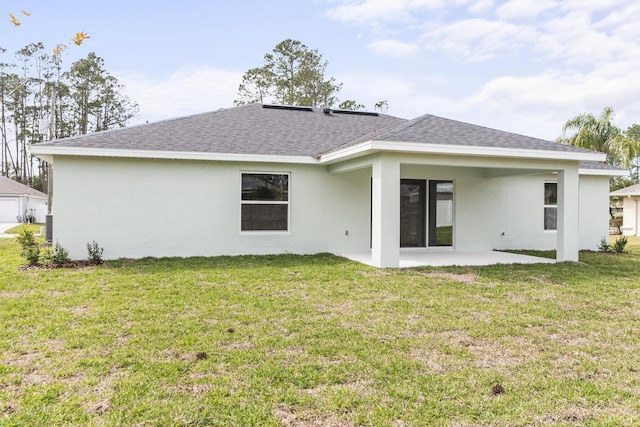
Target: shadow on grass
[[231, 262]]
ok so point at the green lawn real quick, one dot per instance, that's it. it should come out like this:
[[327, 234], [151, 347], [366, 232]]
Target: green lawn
[[319, 340], [34, 227]]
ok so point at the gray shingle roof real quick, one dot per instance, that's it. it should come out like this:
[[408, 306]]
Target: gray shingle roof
[[632, 190], [9, 186], [599, 166], [274, 130], [249, 129], [438, 130]]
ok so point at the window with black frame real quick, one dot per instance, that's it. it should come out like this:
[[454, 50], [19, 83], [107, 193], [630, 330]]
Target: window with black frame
[[550, 206], [265, 202]]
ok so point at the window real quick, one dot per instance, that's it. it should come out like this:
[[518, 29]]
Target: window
[[550, 206], [265, 202]]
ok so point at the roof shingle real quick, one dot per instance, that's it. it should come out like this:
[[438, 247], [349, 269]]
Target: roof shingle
[[279, 130]]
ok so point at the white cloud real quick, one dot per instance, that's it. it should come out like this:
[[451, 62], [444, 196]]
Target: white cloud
[[481, 7], [524, 9], [376, 11], [186, 91], [539, 104], [478, 39], [394, 48]]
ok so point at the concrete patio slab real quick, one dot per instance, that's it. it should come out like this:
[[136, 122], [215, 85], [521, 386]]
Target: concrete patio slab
[[449, 257]]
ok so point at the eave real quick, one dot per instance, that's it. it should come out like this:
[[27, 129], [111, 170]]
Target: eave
[[49, 152], [371, 147]]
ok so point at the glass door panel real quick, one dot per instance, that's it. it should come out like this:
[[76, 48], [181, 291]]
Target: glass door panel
[[440, 213], [412, 213]]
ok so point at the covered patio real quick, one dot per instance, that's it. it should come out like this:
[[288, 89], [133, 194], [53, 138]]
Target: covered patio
[[449, 257]]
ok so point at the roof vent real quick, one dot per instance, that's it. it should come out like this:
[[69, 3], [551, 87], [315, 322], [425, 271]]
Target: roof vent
[[356, 113], [327, 111], [286, 107]]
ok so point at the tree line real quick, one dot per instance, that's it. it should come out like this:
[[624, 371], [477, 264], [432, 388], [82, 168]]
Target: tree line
[[41, 99]]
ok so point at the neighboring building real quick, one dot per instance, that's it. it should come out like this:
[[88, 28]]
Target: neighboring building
[[264, 179], [19, 203], [630, 213]]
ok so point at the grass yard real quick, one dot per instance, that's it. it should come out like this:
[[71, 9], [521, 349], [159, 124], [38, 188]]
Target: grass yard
[[34, 227], [319, 341]]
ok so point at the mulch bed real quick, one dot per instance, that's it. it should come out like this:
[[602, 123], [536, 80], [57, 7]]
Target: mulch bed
[[51, 266]]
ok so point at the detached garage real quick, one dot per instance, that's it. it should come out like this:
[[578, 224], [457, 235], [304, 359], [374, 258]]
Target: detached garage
[[18, 201]]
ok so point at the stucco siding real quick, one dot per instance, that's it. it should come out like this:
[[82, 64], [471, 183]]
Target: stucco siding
[[520, 213], [630, 215], [146, 207], [594, 210], [137, 208]]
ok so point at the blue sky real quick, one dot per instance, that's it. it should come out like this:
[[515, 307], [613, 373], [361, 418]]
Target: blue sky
[[524, 66]]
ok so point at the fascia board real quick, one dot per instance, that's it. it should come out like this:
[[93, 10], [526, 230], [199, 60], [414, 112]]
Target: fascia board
[[49, 151], [368, 147], [603, 172]]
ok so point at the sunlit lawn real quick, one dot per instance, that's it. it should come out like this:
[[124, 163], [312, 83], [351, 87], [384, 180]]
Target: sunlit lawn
[[319, 340], [33, 227]]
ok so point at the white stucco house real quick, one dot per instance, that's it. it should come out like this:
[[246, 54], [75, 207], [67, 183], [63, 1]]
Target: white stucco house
[[265, 179], [18, 201], [630, 213]]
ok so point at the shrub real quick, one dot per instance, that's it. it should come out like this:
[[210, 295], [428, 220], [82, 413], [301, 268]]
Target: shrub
[[26, 239], [619, 244], [32, 254], [60, 255], [30, 249], [604, 245], [46, 254], [95, 253]]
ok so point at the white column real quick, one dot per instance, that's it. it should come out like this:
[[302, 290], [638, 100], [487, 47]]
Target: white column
[[385, 215], [568, 237]]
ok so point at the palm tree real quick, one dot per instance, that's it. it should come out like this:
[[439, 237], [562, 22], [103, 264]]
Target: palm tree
[[600, 134]]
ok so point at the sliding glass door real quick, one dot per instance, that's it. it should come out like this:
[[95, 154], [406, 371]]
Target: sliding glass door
[[440, 213]]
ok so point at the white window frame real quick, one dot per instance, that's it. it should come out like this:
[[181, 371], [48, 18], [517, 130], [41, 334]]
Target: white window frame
[[549, 206], [266, 202]]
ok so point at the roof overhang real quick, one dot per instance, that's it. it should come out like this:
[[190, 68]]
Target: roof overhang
[[371, 147], [48, 152], [603, 172]]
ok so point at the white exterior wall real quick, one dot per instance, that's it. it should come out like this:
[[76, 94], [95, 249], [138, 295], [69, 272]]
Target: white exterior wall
[[630, 216], [144, 207], [138, 208], [521, 213], [594, 210], [14, 206]]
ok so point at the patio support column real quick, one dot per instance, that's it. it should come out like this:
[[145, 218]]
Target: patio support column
[[568, 235], [385, 212]]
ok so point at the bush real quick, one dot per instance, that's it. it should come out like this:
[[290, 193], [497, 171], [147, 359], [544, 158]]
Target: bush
[[619, 244], [26, 239], [32, 254], [30, 249], [46, 254], [95, 253], [60, 255], [604, 245]]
